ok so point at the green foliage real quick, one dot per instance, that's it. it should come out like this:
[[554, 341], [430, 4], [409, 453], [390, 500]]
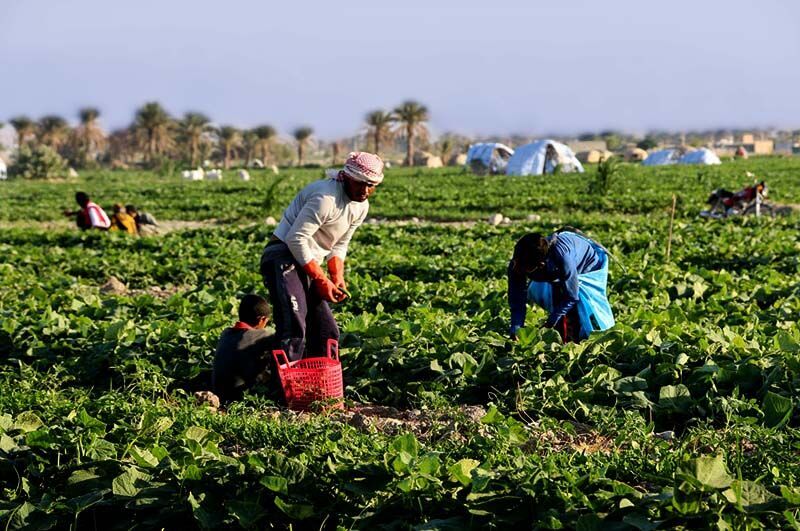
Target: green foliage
[[166, 166], [612, 138], [682, 415], [607, 171], [40, 162], [647, 143]]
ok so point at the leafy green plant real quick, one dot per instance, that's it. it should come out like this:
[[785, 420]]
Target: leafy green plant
[[683, 415], [40, 162], [607, 172]]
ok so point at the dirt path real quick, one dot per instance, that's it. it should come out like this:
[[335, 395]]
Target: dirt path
[[459, 424], [168, 226], [164, 227]]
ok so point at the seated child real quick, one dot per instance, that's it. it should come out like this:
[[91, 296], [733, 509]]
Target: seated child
[[122, 221], [145, 222], [244, 351]]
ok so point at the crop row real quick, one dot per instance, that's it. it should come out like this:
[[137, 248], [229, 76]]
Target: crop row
[[98, 414], [446, 194]]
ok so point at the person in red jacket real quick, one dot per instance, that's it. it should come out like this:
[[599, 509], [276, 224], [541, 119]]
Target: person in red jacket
[[90, 216]]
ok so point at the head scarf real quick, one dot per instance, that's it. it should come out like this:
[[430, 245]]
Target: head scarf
[[361, 166]]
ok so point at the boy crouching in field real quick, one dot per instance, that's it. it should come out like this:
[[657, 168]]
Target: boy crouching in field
[[244, 351]]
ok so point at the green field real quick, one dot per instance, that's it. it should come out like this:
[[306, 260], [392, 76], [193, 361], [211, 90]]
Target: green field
[[684, 414]]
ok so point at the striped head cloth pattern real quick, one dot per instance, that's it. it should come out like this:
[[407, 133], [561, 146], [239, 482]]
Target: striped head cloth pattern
[[364, 167]]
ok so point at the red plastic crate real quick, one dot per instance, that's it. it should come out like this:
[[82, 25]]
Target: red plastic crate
[[311, 379]]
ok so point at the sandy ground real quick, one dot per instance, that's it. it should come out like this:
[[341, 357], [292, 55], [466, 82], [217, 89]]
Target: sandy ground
[[66, 224], [458, 424], [178, 225]]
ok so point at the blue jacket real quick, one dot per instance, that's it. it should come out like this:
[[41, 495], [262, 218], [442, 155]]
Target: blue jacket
[[570, 255]]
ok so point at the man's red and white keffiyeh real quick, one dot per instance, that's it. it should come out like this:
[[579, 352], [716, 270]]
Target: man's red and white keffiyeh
[[360, 166]]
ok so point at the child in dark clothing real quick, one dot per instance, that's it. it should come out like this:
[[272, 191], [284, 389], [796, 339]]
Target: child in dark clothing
[[244, 350]]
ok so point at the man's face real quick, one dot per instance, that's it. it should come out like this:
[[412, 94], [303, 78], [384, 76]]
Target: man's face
[[357, 190], [528, 265]]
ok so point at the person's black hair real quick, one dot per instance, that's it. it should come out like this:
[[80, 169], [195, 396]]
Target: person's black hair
[[252, 308], [82, 198], [531, 249], [130, 209]]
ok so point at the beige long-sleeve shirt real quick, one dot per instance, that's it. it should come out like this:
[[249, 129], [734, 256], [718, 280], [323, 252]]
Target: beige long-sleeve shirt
[[320, 221]]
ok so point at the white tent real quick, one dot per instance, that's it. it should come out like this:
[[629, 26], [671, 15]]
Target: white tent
[[700, 156], [530, 159], [662, 157], [3, 171], [492, 156]]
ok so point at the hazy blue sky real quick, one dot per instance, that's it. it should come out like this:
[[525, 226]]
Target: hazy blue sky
[[501, 67]]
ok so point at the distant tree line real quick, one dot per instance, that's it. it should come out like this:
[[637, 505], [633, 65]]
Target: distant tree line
[[155, 137]]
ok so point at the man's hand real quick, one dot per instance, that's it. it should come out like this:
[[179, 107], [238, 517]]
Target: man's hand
[[326, 289], [336, 271]]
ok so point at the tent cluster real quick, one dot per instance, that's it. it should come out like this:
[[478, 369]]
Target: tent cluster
[[533, 159], [488, 157], [676, 156], [536, 158], [544, 156], [211, 175]]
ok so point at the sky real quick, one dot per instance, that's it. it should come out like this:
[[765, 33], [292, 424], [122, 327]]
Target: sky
[[481, 68]]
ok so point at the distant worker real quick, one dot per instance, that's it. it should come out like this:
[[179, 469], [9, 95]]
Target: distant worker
[[317, 226], [566, 274], [244, 350], [145, 222], [90, 216], [121, 221], [726, 203]]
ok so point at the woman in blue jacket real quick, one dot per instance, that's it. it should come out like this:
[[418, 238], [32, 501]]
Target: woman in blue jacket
[[565, 273]]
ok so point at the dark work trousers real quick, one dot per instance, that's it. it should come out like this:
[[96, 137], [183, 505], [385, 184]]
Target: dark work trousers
[[303, 321]]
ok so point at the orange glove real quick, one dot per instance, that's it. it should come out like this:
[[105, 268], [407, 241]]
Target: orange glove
[[325, 288], [336, 271]]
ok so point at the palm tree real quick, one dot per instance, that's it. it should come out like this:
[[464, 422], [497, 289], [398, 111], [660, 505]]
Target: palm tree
[[122, 146], [380, 123], [336, 149], [265, 133], [412, 116], [249, 144], [88, 138], [446, 145], [25, 127], [302, 134], [154, 127], [230, 139], [53, 131], [192, 128]]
